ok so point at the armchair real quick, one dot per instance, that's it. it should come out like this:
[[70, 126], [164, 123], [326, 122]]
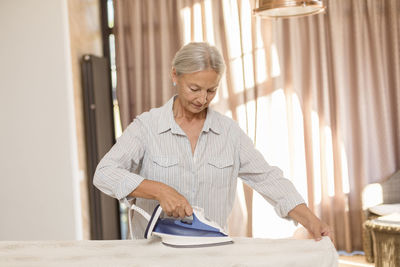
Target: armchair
[[379, 199]]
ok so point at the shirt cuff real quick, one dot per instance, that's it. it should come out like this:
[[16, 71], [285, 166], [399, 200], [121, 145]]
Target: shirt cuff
[[286, 205], [127, 185]]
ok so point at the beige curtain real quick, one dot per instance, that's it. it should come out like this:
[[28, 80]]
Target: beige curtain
[[318, 95], [345, 68], [147, 36]]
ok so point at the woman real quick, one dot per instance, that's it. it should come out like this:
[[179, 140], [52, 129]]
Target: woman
[[184, 154]]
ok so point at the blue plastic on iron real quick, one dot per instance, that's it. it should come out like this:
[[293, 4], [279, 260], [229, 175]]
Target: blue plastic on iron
[[190, 232], [196, 228]]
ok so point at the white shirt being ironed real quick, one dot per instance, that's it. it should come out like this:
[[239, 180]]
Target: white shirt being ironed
[[154, 147]]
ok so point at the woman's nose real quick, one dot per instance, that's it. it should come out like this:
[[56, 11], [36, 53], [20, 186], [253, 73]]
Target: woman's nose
[[203, 97]]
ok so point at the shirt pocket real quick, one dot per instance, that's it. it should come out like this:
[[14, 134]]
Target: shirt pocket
[[221, 162], [164, 169], [220, 171], [165, 161]]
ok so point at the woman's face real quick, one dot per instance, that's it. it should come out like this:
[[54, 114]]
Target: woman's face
[[196, 90]]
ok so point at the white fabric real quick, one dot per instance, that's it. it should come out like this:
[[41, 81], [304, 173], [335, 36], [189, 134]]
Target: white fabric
[[393, 218], [385, 209], [154, 147], [244, 252]]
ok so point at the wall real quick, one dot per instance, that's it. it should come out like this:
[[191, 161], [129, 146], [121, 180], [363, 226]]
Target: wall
[[39, 185]]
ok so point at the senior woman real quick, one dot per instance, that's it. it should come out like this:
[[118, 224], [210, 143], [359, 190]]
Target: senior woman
[[184, 153]]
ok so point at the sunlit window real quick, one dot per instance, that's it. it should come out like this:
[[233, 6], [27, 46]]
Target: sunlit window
[[298, 171], [260, 56], [272, 142], [186, 22], [209, 22], [246, 30], [231, 19], [275, 68], [249, 70], [198, 25], [261, 66], [329, 161], [236, 69]]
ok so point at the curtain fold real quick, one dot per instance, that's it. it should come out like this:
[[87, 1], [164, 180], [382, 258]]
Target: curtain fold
[[319, 95]]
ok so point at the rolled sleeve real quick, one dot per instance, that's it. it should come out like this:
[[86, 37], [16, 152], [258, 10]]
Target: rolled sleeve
[[126, 185], [115, 174], [267, 180]]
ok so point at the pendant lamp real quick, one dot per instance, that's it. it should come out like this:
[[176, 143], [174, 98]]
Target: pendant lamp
[[288, 8]]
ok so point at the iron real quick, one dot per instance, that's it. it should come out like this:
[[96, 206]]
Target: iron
[[193, 231]]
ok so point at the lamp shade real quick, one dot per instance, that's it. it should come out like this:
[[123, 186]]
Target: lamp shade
[[288, 8]]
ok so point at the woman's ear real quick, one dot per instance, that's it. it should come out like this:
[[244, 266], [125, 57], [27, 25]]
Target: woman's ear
[[174, 76]]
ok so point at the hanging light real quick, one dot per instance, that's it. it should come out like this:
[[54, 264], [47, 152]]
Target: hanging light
[[288, 8]]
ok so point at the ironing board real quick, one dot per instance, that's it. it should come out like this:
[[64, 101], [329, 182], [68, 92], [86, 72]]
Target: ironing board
[[244, 252]]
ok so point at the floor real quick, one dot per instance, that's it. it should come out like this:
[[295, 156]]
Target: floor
[[353, 261]]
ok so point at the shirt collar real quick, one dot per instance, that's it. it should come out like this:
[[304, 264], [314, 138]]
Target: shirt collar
[[212, 122], [167, 120]]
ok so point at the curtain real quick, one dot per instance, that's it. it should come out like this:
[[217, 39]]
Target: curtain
[[318, 95], [345, 68], [147, 35]]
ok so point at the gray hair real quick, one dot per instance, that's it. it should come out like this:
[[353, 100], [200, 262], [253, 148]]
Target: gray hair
[[198, 56]]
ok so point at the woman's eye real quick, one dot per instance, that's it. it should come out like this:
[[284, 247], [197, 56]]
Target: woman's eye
[[212, 91], [194, 89]]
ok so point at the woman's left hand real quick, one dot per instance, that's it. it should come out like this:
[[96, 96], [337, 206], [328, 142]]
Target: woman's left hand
[[317, 228]]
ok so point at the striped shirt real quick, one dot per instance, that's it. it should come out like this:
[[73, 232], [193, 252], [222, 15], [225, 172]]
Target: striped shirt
[[154, 147]]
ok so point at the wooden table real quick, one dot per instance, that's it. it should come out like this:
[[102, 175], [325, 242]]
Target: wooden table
[[244, 252]]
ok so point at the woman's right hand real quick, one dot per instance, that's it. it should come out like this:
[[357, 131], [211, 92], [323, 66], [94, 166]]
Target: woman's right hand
[[173, 203]]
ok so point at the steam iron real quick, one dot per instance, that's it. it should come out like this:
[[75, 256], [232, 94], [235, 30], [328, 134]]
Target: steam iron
[[193, 231]]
